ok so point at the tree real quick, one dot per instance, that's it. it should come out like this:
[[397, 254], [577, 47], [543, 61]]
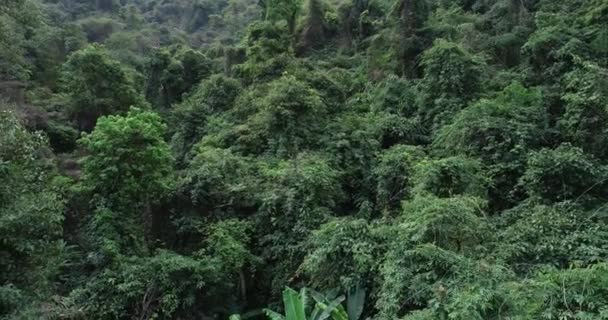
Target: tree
[[97, 85], [453, 23], [355, 146], [411, 16], [451, 70], [430, 159], [501, 132], [99, 29], [434, 248], [551, 47], [227, 244], [394, 175], [298, 196], [429, 219], [582, 291], [219, 181], [394, 107], [288, 118], [510, 24], [584, 122], [268, 51], [106, 5], [450, 177], [558, 235], [429, 282], [127, 170], [174, 73], [282, 10], [19, 20], [128, 161], [314, 28], [212, 98], [342, 254], [163, 285], [564, 173], [452, 77], [31, 218], [55, 44]]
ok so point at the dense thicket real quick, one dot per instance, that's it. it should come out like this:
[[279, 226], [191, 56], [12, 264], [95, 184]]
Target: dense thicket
[[393, 159]]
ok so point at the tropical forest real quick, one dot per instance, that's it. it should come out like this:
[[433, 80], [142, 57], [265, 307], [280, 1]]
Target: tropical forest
[[304, 159]]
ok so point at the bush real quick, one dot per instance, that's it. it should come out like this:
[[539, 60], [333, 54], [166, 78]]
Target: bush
[[564, 173]]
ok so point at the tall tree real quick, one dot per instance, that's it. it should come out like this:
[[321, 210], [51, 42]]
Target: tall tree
[[31, 218], [127, 170], [282, 10], [411, 16], [97, 85], [314, 27], [452, 77], [18, 21]]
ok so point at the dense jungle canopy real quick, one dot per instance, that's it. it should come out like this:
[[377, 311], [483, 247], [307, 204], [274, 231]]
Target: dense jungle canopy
[[304, 159]]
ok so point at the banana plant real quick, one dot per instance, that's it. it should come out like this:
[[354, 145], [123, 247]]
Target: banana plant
[[297, 307], [355, 301]]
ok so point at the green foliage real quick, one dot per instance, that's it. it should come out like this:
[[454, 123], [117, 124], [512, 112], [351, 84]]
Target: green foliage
[[164, 285], [314, 27], [452, 77], [551, 47], [547, 170], [218, 92], [451, 71], [456, 223], [559, 235], [430, 159], [500, 131], [212, 96], [126, 171], [411, 16], [509, 24], [62, 138], [449, 177], [455, 24], [31, 217], [173, 73], [343, 252], [97, 85], [128, 162], [585, 118], [282, 10], [354, 147], [288, 118], [394, 108], [97, 29], [55, 44], [264, 40], [305, 182], [576, 293], [296, 307], [434, 245], [298, 197], [409, 277], [268, 51], [394, 175], [227, 243], [19, 19], [219, 180]]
